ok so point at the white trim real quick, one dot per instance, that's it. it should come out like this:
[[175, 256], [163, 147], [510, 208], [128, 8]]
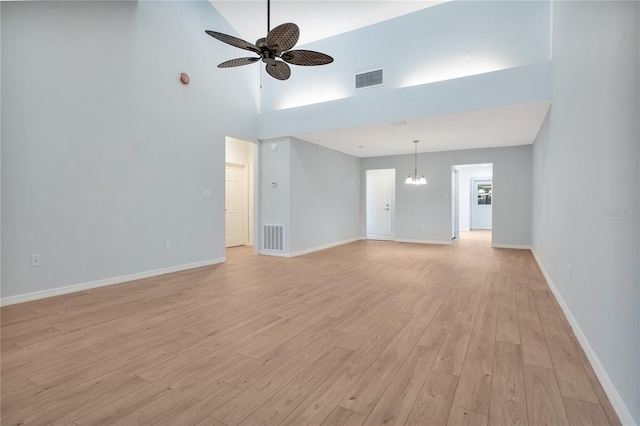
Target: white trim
[[323, 247], [273, 253], [511, 246], [26, 297], [381, 237], [310, 250], [402, 240], [612, 393]]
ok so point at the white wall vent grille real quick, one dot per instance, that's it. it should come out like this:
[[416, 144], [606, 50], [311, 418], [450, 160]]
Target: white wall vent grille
[[273, 237], [369, 79]]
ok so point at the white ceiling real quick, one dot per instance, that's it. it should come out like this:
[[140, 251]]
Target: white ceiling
[[316, 19], [506, 126]]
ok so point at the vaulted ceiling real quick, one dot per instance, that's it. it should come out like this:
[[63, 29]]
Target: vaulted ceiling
[[316, 19], [494, 127]]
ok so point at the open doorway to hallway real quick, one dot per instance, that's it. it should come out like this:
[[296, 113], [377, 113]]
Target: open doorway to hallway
[[472, 201], [239, 203]]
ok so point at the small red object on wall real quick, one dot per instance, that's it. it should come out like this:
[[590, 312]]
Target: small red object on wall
[[184, 78]]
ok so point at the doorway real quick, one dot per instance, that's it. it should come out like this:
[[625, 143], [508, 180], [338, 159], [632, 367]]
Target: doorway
[[381, 194], [239, 192], [471, 210], [235, 205], [455, 208]]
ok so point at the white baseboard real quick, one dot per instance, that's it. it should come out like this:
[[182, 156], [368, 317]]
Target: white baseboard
[[381, 237], [614, 397], [511, 246], [403, 240], [273, 253], [310, 250], [104, 282]]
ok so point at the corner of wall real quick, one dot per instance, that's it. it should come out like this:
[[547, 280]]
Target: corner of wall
[[612, 393]]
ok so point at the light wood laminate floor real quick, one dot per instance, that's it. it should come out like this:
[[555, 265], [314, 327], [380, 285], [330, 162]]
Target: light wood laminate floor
[[367, 333]]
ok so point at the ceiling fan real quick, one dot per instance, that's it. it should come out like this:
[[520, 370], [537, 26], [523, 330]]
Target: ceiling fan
[[274, 50]]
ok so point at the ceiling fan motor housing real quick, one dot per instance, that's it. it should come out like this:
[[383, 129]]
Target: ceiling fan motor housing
[[268, 55]]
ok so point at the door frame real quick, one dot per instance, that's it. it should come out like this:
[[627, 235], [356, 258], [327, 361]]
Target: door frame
[[245, 202], [455, 203], [472, 202], [388, 172]]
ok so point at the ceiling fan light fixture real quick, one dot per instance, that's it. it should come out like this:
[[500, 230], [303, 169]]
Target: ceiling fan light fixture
[[415, 178]]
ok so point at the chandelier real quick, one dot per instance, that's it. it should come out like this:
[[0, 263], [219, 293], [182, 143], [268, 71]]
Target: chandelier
[[415, 178]]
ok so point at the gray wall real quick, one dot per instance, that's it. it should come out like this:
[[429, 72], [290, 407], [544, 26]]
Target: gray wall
[[104, 152], [586, 183], [424, 212], [275, 202], [465, 38], [317, 196], [325, 195]]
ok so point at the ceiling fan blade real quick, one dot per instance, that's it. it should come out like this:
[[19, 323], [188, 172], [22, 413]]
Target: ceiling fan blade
[[234, 41], [306, 58], [283, 37], [238, 62], [279, 70]]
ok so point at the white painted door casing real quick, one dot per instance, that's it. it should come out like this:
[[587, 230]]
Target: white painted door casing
[[381, 204], [236, 209]]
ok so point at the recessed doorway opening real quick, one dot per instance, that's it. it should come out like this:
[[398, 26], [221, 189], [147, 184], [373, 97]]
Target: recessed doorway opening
[[472, 201], [239, 206]]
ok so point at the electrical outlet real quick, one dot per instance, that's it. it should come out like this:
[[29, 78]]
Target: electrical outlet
[[207, 193], [569, 272], [168, 244], [35, 260]]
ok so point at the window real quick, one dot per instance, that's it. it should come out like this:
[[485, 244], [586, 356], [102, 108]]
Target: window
[[484, 194]]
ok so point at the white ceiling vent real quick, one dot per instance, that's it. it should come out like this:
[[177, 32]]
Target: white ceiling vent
[[369, 79]]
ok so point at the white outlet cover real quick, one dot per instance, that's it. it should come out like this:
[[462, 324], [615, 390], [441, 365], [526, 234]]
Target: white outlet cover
[[207, 193]]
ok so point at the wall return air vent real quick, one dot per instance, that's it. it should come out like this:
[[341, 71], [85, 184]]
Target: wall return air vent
[[369, 79], [273, 237]]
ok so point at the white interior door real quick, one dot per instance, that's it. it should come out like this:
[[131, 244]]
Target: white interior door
[[381, 189], [481, 203], [235, 208]]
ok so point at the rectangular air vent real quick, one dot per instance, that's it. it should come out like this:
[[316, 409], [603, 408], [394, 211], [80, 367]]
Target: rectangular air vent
[[369, 79], [273, 237]]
